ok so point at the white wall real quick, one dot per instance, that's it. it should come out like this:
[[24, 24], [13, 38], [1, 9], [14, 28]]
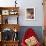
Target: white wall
[[39, 12], [23, 4]]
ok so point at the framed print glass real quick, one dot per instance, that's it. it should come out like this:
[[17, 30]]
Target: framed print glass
[[30, 14]]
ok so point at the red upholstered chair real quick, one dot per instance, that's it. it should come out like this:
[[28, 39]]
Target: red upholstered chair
[[29, 33]]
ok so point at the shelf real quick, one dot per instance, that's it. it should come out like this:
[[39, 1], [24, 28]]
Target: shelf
[[6, 24], [10, 26], [9, 19], [12, 14], [5, 8], [5, 12], [9, 10], [11, 41]]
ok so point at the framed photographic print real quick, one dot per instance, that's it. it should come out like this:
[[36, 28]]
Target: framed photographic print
[[30, 14]]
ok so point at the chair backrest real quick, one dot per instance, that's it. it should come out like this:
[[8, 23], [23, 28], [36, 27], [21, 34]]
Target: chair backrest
[[30, 32]]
